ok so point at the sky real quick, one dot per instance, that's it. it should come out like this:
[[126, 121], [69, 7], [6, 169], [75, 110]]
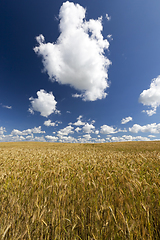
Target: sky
[[79, 71]]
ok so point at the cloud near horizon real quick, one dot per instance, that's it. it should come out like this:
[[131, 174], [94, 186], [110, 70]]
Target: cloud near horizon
[[77, 58], [152, 128], [27, 131], [151, 96]]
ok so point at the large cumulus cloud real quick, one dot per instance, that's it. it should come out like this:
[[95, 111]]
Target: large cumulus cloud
[[77, 58]]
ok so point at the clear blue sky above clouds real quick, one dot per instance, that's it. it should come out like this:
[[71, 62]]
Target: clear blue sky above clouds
[[79, 71]]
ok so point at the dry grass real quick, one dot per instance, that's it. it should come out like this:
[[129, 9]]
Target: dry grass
[[80, 191]]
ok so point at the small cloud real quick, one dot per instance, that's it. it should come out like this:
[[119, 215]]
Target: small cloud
[[87, 136], [107, 16], [45, 103], [122, 130], [151, 96], [2, 130], [97, 132], [67, 139], [49, 123], [29, 137], [126, 120], [76, 95], [65, 131], [105, 129], [93, 121], [51, 138], [5, 106], [151, 136], [88, 128], [78, 129], [109, 36], [78, 56], [79, 122], [30, 110], [151, 111], [68, 112]]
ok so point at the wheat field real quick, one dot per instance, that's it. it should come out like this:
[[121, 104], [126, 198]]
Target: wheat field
[[80, 191]]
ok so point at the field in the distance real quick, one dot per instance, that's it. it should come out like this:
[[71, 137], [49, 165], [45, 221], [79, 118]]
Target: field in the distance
[[80, 191]]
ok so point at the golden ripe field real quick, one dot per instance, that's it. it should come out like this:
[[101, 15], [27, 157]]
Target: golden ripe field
[[80, 191]]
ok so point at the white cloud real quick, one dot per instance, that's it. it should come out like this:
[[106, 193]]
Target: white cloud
[[97, 132], [37, 130], [8, 107], [65, 131], [67, 139], [16, 132], [49, 123], [88, 128], [151, 136], [28, 131], [78, 129], [77, 58], [40, 139], [126, 120], [2, 130], [87, 136], [29, 137], [152, 128], [76, 95], [151, 96], [109, 36], [57, 123], [79, 122], [107, 16], [117, 139], [15, 138], [2, 137], [30, 110], [125, 138], [151, 111], [122, 130], [51, 138], [45, 103], [140, 138], [105, 129]]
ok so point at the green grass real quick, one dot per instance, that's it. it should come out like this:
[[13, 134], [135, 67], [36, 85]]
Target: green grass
[[80, 191]]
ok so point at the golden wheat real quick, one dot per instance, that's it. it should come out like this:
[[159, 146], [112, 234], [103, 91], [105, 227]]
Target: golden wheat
[[80, 191]]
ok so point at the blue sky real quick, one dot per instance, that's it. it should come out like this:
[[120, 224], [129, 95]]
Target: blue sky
[[79, 71]]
